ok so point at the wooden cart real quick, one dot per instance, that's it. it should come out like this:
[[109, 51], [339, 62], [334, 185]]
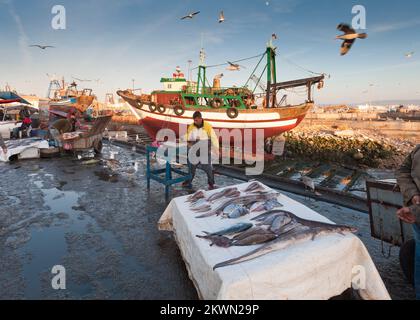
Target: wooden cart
[[89, 139]]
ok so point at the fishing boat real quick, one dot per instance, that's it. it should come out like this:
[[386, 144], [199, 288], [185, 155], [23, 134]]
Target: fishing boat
[[235, 109]]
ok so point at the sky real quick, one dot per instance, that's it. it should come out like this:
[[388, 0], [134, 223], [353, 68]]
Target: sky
[[144, 40]]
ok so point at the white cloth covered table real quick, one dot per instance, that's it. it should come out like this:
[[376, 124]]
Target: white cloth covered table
[[16, 147], [319, 269]]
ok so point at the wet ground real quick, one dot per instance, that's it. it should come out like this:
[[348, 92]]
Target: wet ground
[[97, 219]]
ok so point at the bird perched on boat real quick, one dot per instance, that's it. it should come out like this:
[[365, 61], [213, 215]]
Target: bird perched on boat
[[221, 17], [190, 15], [409, 54], [349, 37], [41, 47], [234, 66], [219, 76]]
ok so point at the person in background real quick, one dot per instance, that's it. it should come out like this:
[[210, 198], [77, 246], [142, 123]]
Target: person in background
[[3, 145], [59, 127], [89, 114], [202, 131], [408, 177], [25, 117]]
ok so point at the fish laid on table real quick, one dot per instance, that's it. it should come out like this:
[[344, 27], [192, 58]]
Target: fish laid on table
[[243, 200], [199, 203], [237, 228], [268, 221], [254, 204], [268, 205], [270, 213], [235, 211], [257, 238], [279, 222], [204, 207], [294, 236], [251, 232], [226, 193], [219, 241], [196, 196], [254, 187]]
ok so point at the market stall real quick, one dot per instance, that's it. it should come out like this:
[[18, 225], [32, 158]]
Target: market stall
[[316, 269]]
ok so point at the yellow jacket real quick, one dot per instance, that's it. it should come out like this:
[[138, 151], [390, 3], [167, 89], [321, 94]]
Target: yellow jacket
[[206, 132]]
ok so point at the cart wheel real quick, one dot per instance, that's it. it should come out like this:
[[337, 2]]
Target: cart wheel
[[98, 147], [407, 252]]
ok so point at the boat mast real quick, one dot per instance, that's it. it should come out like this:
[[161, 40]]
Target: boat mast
[[201, 82], [271, 73]]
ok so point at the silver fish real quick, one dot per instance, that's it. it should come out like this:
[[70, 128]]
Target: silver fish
[[199, 203], [292, 237], [237, 228], [230, 208], [279, 222], [255, 205], [243, 200], [268, 221], [268, 205], [238, 212]]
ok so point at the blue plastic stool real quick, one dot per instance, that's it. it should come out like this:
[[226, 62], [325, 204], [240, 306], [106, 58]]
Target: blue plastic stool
[[164, 175]]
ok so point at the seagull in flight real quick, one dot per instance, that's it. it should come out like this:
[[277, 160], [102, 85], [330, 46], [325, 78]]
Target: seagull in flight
[[221, 17], [234, 66], [190, 16], [41, 47], [409, 54], [349, 37]]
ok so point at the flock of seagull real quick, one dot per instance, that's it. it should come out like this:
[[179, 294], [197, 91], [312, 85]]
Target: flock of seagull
[[349, 37]]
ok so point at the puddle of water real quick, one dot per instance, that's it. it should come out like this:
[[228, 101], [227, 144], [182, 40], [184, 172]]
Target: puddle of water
[[48, 247]]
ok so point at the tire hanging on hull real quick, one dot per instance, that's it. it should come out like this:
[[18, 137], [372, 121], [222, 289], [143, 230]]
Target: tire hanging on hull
[[179, 110]]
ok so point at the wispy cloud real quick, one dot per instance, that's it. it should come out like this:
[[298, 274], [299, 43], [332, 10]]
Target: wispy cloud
[[395, 26], [23, 38]]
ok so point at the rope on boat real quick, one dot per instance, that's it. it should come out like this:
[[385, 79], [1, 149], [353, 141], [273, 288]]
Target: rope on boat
[[236, 61], [300, 67], [253, 72]]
